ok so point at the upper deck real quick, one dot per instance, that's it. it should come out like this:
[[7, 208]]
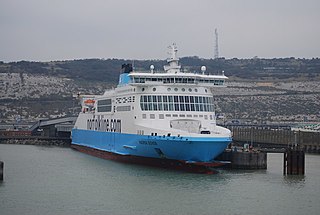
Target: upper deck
[[172, 75]]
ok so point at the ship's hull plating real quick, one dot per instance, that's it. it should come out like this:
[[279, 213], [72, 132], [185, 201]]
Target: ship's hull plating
[[196, 167], [144, 149]]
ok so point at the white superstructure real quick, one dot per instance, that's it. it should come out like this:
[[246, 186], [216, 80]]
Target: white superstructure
[[172, 102]]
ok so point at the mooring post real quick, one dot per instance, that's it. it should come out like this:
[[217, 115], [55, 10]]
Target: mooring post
[[301, 160], [285, 162], [1, 170], [294, 162]]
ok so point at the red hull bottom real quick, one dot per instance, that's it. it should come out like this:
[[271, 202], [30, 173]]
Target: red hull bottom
[[197, 167]]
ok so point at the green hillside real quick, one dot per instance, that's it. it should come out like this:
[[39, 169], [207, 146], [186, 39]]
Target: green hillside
[[107, 70]]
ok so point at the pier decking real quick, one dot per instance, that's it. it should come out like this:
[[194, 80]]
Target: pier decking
[[276, 138]]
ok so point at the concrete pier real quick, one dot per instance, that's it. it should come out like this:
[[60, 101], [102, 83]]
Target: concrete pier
[[1, 170], [245, 160], [249, 160]]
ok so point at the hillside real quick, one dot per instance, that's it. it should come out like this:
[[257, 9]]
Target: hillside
[[258, 89], [108, 70]]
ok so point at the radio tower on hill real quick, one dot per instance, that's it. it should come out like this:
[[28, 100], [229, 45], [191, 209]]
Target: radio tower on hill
[[216, 48]]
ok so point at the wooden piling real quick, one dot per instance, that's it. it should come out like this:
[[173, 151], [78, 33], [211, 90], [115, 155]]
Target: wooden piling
[[1, 170]]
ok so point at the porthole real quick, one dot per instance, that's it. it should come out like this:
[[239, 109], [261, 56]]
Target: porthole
[[183, 89], [154, 89], [190, 90], [176, 89], [169, 89], [206, 90], [195, 90], [142, 89]]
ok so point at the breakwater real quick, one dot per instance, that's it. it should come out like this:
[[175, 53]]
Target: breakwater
[[36, 141]]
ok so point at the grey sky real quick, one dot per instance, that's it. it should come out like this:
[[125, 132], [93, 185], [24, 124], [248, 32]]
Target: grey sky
[[44, 30]]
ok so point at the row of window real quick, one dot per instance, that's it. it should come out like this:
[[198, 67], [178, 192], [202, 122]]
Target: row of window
[[124, 108], [104, 105], [162, 116], [164, 103], [104, 108], [176, 103], [178, 80], [175, 89]]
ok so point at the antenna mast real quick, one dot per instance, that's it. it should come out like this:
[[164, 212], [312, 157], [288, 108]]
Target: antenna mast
[[216, 48]]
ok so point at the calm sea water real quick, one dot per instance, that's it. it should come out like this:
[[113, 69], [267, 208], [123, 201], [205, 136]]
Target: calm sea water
[[53, 180]]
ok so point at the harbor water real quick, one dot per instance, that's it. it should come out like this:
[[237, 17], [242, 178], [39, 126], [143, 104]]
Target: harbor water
[[56, 180]]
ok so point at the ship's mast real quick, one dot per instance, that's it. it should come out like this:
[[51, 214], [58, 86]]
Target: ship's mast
[[173, 61]]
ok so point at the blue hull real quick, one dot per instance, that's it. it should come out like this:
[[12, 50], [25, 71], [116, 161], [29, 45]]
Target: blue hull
[[188, 149]]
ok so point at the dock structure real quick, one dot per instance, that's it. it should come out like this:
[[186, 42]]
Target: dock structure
[[294, 162], [1, 170], [44, 132], [249, 160], [58, 127], [277, 138], [245, 159]]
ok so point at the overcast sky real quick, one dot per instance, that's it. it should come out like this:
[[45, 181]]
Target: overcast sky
[[45, 30]]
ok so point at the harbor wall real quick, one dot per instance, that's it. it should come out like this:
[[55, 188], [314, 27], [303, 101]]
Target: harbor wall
[[37, 141]]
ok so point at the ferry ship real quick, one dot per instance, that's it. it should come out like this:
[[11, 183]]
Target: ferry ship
[[161, 118]]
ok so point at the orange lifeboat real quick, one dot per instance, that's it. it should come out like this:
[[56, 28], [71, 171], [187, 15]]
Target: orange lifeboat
[[89, 102]]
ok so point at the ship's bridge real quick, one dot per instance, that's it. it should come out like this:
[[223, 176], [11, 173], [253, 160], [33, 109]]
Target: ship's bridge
[[137, 78]]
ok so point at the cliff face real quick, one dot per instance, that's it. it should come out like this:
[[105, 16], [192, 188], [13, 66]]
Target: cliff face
[[23, 85]]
